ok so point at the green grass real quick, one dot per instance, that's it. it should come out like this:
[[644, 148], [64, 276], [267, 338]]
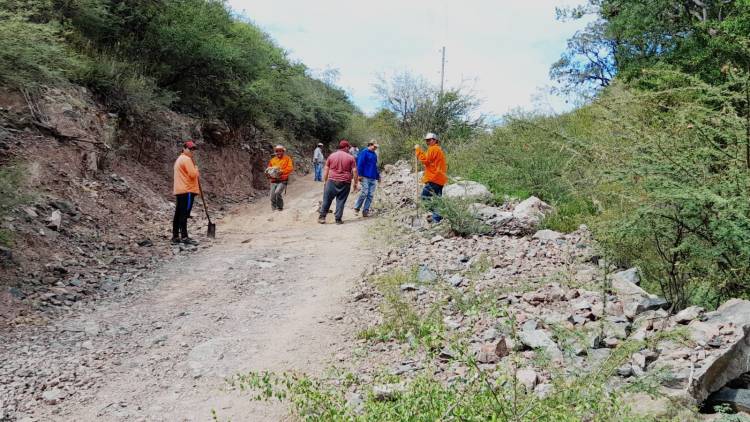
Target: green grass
[[11, 180]]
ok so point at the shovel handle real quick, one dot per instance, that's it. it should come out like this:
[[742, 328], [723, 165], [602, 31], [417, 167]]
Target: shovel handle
[[203, 198]]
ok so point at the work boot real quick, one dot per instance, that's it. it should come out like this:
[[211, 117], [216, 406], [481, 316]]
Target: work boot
[[365, 214], [189, 241], [175, 240], [339, 222], [321, 220], [356, 211]]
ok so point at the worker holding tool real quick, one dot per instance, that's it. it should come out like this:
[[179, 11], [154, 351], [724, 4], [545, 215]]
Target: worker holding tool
[[278, 171], [435, 171], [185, 190]]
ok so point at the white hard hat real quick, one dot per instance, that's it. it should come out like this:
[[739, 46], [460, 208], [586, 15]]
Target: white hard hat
[[431, 135]]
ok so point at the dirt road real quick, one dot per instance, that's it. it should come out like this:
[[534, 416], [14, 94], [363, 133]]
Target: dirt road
[[268, 294]]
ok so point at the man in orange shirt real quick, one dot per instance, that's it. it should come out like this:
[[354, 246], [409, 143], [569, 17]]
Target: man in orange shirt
[[278, 171], [435, 170], [185, 190]]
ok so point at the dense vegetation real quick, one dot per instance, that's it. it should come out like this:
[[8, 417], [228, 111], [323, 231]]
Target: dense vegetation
[[658, 161], [194, 56]]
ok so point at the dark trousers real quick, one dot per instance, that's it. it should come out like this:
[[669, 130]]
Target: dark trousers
[[184, 203], [338, 190], [430, 190]]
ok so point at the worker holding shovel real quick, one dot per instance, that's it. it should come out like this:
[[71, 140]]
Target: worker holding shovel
[[186, 188]]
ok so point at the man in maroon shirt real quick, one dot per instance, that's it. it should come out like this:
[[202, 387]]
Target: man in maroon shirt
[[339, 176]]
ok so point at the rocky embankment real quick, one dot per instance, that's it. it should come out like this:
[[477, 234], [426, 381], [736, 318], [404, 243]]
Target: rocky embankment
[[93, 206], [556, 298]]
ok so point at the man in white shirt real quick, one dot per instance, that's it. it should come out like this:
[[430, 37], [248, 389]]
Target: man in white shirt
[[318, 161]]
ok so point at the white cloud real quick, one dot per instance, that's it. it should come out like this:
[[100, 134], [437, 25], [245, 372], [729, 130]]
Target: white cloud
[[506, 46]]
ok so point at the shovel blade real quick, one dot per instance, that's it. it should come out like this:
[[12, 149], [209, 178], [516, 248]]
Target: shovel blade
[[211, 230]]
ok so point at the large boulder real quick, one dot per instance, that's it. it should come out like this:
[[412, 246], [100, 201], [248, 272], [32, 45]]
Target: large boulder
[[733, 357], [532, 209], [635, 299], [468, 190]]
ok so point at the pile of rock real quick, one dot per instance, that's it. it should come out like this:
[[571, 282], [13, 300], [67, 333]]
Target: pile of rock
[[400, 188], [559, 300]]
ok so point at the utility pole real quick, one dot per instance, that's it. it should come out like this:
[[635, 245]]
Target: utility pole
[[442, 73]]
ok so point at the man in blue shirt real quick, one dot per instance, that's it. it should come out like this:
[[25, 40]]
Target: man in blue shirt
[[367, 168]]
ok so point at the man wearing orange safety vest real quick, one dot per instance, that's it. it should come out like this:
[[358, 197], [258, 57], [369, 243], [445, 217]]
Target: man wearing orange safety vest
[[185, 190], [278, 171], [435, 170]]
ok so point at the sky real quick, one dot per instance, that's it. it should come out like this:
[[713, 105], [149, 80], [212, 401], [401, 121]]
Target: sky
[[499, 49]]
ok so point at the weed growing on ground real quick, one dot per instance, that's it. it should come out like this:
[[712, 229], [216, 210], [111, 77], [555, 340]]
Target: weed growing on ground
[[457, 214], [11, 178]]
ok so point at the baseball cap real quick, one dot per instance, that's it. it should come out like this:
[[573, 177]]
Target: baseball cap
[[431, 135], [190, 145], [320, 144], [279, 147], [344, 144]]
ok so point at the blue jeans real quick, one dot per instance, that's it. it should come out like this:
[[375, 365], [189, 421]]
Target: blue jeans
[[318, 172], [430, 190], [368, 190]]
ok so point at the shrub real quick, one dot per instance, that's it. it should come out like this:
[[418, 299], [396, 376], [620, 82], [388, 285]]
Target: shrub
[[33, 54], [11, 178], [457, 214]]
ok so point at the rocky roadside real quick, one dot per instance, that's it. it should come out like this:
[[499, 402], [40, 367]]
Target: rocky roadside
[[548, 299]]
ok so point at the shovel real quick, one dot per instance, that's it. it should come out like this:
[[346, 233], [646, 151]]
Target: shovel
[[211, 226]]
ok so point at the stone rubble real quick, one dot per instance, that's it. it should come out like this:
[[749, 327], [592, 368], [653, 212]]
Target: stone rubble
[[559, 300]]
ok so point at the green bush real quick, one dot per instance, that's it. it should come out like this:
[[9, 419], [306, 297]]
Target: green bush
[[457, 214], [11, 178], [33, 54]]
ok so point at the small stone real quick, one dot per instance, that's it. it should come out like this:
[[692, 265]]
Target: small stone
[[528, 378], [529, 325], [503, 347], [489, 334], [426, 276], [455, 280], [639, 360], [16, 293], [543, 390], [611, 342], [581, 304], [386, 392], [355, 401], [30, 212], [486, 354], [54, 220], [547, 235], [630, 275], [539, 339], [688, 314], [625, 370], [53, 396]]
